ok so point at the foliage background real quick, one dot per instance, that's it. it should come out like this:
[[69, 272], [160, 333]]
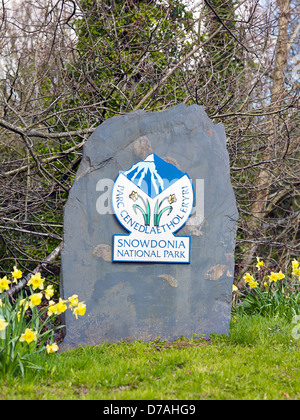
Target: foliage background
[[67, 65]]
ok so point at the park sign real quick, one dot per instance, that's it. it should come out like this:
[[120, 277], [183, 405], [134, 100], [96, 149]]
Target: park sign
[[152, 200], [149, 230]]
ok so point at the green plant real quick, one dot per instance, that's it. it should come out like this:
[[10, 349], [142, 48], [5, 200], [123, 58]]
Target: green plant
[[273, 295], [158, 212], [147, 212], [18, 339], [259, 360], [27, 323]]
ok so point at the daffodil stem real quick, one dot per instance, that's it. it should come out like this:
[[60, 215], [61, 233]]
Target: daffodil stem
[[158, 214], [146, 213]]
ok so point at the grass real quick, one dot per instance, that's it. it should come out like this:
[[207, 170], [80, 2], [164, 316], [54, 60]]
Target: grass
[[259, 360]]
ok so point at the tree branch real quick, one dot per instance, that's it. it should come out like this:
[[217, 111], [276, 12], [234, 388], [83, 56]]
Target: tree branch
[[225, 26], [48, 260], [45, 160], [48, 235], [173, 69], [36, 133]]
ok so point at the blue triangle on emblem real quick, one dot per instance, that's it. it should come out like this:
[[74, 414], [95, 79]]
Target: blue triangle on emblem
[[153, 175]]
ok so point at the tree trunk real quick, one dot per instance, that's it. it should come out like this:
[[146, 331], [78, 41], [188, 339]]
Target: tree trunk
[[265, 178]]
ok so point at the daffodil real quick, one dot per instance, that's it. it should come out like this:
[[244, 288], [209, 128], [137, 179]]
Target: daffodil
[[172, 198], [49, 292], [134, 196], [295, 263], [4, 284], [17, 274], [73, 300], [35, 299], [273, 277], [296, 272], [259, 264], [3, 324], [296, 269], [52, 348], [36, 281], [80, 309], [60, 307], [253, 284], [234, 288], [52, 308], [280, 275], [24, 302], [29, 336], [248, 278]]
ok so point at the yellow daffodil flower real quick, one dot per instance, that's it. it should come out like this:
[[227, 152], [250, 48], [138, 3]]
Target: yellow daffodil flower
[[52, 348], [17, 274], [248, 278], [172, 198], [80, 309], [61, 307], [24, 302], [29, 336], [259, 264], [273, 277], [296, 269], [234, 288], [36, 281], [134, 196], [73, 300], [35, 299], [51, 308], [49, 292], [296, 272], [3, 324], [4, 284], [253, 284]]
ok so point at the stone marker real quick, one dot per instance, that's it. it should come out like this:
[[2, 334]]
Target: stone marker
[[149, 230]]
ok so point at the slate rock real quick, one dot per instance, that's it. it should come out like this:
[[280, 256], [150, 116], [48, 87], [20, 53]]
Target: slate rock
[[131, 301]]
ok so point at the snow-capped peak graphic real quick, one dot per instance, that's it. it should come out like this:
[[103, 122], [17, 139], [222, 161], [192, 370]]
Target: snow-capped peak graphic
[[153, 175]]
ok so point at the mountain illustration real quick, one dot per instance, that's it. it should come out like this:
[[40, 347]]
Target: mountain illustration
[[153, 175]]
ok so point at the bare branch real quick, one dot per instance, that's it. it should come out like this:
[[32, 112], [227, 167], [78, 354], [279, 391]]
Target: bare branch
[[22, 283]]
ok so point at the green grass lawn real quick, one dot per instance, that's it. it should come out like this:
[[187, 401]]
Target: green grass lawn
[[259, 360]]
